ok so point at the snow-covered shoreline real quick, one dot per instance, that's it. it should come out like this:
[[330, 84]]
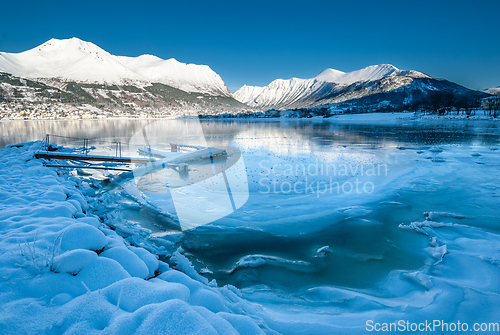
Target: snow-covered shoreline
[[383, 117], [362, 117], [63, 271]]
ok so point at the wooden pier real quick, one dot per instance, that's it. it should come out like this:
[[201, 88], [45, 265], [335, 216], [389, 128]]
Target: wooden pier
[[174, 158], [94, 158]]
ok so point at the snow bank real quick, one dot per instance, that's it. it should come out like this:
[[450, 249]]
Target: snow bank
[[128, 260], [64, 271], [82, 236], [73, 261]]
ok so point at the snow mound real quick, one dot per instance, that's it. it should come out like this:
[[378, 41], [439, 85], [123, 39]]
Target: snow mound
[[169, 317], [243, 324], [133, 293], [82, 236], [128, 260], [148, 258], [100, 273], [210, 300], [73, 261]]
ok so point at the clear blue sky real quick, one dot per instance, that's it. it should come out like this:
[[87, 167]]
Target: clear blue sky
[[254, 42]]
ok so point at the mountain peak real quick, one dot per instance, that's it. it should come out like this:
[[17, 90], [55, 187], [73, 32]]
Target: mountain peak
[[247, 94], [372, 72], [70, 44], [493, 90], [150, 57], [383, 66], [329, 75]]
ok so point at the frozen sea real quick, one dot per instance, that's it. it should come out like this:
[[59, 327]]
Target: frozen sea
[[347, 220]]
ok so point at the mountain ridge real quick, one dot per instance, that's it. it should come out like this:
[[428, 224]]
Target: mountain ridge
[[372, 72], [77, 60], [75, 71], [333, 87]]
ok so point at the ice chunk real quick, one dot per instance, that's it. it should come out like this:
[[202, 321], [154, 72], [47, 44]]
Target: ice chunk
[[355, 211], [433, 216], [438, 252], [421, 226], [419, 278], [435, 149], [323, 251], [185, 266], [253, 261]]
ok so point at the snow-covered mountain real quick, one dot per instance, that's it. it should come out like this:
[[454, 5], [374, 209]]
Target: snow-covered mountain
[[76, 60], [296, 92], [247, 94], [71, 59], [494, 91], [75, 71], [187, 77], [369, 73], [285, 93]]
